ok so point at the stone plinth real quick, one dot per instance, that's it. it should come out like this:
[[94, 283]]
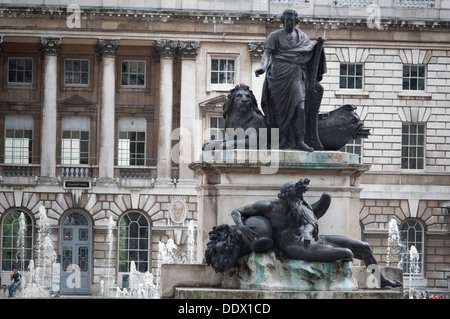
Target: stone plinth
[[200, 281], [266, 272], [231, 179]]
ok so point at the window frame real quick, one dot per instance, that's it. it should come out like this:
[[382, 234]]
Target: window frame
[[133, 86], [20, 84], [124, 247], [354, 76], [28, 250], [21, 159], [88, 72], [407, 243], [222, 87], [73, 160], [409, 77], [120, 150], [413, 147]]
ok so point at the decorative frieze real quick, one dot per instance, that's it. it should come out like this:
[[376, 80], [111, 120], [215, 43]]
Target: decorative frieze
[[50, 46]]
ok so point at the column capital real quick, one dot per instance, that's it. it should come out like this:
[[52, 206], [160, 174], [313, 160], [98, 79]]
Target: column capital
[[166, 48], [256, 51], [107, 47], [188, 49], [50, 45]]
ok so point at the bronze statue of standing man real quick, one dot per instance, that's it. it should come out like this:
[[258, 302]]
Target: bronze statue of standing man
[[293, 67]]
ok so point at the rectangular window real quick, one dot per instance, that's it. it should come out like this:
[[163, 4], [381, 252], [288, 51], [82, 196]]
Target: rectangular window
[[350, 76], [413, 146], [76, 72], [131, 145], [217, 128], [18, 139], [413, 77], [20, 71], [75, 140], [354, 147], [133, 73], [222, 71]]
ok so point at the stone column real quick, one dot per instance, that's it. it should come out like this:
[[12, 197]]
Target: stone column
[[188, 110], [50, 48], [166, 50], [107, 48], [256, 52]]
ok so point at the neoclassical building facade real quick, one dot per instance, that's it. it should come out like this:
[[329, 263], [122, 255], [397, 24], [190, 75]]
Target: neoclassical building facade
[[104, 105]]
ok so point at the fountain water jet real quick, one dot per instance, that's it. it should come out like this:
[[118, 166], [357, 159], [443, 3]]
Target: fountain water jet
[[394, 244], [413, 265], [109, 276], [40, 272]]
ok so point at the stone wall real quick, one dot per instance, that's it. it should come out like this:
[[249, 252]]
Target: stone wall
[[375, 216]]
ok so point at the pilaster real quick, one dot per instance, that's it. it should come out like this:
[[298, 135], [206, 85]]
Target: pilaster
[[50, 48], [166, 50], [107, 49]]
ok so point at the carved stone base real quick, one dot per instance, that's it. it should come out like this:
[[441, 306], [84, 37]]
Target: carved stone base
[[266, 272]]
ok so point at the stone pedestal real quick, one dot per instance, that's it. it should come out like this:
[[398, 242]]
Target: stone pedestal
[[339, 280], [266, 272], [231, 179]]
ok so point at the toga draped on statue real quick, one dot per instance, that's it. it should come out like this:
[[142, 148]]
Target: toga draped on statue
[[287, 80]]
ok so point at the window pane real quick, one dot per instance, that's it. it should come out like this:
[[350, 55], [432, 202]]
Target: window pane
[[359, 69], [214, 77], [133, 73]]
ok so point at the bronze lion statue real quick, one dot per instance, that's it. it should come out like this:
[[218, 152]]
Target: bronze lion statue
[[244, 122]]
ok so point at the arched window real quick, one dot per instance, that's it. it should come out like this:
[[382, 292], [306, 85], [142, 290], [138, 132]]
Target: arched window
[[412, 234], [17, 240], [133, 242]]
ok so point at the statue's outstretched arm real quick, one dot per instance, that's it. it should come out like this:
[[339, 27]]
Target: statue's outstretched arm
[[321, 206]]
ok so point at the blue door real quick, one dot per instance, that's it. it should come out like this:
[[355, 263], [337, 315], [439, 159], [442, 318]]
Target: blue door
[[75, 254]]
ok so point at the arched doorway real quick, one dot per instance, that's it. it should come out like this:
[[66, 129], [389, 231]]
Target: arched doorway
[[76, 232]]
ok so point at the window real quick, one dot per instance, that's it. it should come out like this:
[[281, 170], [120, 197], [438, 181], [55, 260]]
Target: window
[[133, 242], [412, 234], [20, 71], [222, 71], [350, 76], [413, 145], [75, 140], [354, 147], [413, 77], [17, 240], [18, 139], [76, 72], [133, 73], [217, 128], [131, 147]]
